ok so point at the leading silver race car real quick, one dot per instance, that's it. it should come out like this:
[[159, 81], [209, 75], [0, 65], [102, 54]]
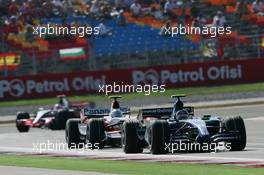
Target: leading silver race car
[[166, 130], [97, 127]]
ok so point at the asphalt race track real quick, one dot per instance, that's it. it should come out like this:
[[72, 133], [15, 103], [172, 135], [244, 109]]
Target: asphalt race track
[[27, 143]]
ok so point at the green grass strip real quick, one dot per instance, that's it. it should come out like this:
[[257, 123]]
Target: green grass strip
[[255, 87], [125, 167]]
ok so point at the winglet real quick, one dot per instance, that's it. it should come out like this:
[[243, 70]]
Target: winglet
[[114, 97]]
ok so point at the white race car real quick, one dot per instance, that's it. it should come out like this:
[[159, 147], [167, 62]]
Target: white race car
[[99, 127]]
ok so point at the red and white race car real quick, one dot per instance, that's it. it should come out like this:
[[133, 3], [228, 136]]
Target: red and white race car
[[98, 127], [54, 118]]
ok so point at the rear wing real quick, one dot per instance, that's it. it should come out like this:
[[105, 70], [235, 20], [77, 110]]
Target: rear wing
[[80, 104], [102, 112], [161, 112]]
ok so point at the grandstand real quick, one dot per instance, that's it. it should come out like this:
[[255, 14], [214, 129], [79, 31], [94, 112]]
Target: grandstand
[[135, 44]]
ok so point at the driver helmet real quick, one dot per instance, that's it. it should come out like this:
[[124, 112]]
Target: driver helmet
[[182, 115], [116, 113], [57, 106]]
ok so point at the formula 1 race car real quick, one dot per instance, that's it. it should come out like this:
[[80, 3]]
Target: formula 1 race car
[[165, 130], [97, 127], [54, 118]]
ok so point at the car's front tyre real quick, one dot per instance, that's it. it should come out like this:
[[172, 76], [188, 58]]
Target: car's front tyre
[[72, 133], [20, 116], [237, 124], [60, 119], [96, 133], [130, 140], [159, 137]]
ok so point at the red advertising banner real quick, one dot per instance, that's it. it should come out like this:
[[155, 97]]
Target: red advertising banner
[[173, 76]]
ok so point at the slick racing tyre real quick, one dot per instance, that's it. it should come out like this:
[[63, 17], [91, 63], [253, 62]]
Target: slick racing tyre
[[159, 133], [237, 124], [96, 133], [20, 116], [130, 140], [72, 134], [60, 119]]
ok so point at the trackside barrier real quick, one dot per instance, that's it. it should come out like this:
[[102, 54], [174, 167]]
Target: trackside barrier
[[173, 76]]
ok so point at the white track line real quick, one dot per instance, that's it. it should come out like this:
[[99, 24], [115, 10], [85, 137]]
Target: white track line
[[260, 118], [114, 155]]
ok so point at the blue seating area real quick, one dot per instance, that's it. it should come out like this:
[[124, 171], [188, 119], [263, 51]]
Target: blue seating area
[[135, 39], [132, 39]]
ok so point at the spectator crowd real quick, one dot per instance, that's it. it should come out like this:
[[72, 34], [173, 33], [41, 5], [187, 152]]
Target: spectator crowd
[[17, 15]]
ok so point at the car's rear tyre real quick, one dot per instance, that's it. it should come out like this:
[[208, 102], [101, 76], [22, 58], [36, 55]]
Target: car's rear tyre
[[130, 140], [72, 134], [96, 133], [237, 124], [21, 116], [61, 118], [159, 137]]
